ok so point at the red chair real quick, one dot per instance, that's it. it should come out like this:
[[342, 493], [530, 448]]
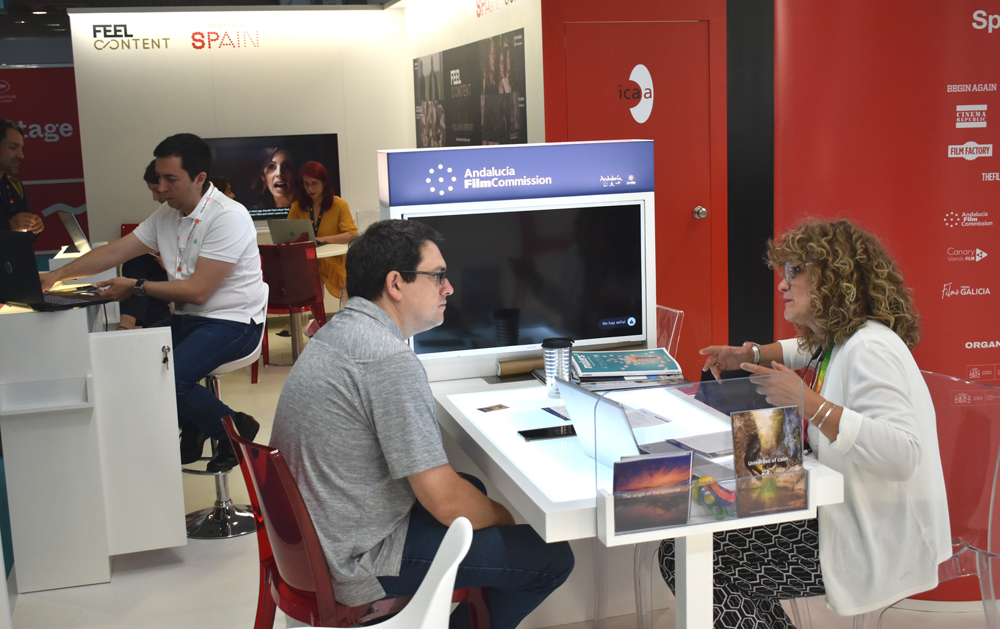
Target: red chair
[[292, 272], [128, 228], [293, 573]]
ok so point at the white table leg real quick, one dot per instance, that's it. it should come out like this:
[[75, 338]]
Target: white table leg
[[693, 559], [600, 584]]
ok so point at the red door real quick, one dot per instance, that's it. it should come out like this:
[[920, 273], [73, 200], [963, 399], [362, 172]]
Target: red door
[[651, 80]]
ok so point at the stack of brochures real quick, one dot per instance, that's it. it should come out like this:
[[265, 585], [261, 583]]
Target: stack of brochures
[[626, 369]]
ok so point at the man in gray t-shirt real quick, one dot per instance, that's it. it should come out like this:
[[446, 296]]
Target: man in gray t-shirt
[[356, 423]]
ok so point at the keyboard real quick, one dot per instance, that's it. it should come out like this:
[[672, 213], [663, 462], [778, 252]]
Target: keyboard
[[57, 300]]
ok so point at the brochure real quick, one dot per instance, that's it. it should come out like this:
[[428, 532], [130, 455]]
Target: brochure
[[652, 492], [767, 459], [641, 362]]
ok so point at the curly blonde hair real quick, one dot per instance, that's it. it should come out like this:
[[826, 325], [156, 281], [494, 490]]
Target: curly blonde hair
[[854, 279]]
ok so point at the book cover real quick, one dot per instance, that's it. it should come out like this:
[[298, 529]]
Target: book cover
[[767, 459], [641, 362], [652, 492]]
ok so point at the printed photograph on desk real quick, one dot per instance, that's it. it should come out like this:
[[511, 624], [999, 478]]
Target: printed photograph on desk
[[651, 492], [767, 458]]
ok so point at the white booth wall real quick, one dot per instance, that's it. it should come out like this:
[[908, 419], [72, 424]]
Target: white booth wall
[[437, 25], [289, 71]]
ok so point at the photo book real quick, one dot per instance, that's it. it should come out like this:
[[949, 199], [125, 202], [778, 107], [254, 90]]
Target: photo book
[[641, 362], [767, 459], [651, 492]]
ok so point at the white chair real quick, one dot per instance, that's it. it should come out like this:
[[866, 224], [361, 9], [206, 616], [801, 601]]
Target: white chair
[[223, 519], [430, 607]]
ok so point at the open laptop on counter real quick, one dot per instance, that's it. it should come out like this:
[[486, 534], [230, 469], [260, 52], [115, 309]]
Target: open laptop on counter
[[20, 284]]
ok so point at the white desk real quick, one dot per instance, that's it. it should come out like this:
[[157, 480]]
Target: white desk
[[322, 251], [329, 251], [89, 427], [551, 484]]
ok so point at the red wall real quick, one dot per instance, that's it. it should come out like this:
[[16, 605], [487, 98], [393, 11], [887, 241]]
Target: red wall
[[589, 49], [865, 116], [43, 102], [863, 124]]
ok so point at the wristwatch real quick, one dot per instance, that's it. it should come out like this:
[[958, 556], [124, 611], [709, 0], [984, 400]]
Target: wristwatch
[[138, 290], [756, 353]]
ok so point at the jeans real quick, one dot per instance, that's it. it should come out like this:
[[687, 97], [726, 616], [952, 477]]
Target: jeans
[[200, 346], [515, 568]]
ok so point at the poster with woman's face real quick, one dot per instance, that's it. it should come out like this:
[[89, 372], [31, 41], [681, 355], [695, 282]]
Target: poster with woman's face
[[473, 94], [264, 170]]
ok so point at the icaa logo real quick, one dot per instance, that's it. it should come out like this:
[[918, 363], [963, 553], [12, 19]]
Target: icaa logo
[[644, 94]]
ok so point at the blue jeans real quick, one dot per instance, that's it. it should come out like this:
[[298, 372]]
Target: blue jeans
[[200, 346], [515, 568]]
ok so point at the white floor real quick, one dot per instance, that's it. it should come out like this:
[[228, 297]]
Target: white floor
[[214, 583]]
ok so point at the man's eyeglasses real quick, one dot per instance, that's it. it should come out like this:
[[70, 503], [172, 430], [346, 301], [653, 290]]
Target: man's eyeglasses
[[792, 271], [441, 276]]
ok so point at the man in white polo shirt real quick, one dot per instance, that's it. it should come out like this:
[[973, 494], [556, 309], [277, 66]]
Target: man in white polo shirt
[[208, 245]]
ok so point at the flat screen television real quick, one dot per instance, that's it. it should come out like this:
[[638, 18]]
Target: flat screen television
[[264, 170], [522, 275]]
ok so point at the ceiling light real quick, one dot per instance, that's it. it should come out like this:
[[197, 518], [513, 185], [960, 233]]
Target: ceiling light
[[40, 12]]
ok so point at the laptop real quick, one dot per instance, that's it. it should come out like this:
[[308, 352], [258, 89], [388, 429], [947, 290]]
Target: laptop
[[589, 412], [80, 242], [287, 230], [20, 284]]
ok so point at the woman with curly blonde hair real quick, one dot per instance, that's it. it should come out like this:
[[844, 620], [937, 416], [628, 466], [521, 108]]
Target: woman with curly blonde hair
[[870, 418]]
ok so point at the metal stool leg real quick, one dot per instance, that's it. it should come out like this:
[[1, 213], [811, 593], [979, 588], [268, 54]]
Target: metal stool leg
[[224, 519]]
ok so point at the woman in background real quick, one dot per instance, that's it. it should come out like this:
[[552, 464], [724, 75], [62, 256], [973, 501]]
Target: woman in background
[[331, 219], [871, 418]]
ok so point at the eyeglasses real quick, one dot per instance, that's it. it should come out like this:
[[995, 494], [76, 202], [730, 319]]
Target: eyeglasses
[[791, 272], [439, 275]]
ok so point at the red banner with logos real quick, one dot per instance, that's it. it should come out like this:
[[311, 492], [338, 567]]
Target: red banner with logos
[[888, 114], [42, 101]]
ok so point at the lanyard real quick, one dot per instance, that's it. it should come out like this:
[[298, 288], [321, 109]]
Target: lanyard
[[195, 216], [816, 374], [820, 373]]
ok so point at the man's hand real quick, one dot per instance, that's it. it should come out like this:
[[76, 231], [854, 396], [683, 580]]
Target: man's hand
[[48, 280], [117, 288], [27, 222]]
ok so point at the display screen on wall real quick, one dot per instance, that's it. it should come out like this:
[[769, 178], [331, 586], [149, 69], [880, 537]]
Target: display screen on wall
[[264, 170], [473, 94], [521, 277]]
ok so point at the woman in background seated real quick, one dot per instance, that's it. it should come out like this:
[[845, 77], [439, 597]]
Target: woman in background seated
[[224, 185], [142, 312], [332, 222], [871, 418]]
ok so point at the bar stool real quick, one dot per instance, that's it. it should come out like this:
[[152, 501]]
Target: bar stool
[[224, 519]]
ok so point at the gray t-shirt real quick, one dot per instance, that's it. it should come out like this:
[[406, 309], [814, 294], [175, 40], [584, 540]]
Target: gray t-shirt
[[355, 418]]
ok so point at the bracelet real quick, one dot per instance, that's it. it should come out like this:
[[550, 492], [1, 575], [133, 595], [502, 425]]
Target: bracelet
[[820, 424], [818, 410], [756, 353]]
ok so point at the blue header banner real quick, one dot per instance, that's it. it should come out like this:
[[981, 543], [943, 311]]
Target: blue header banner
[[532, 171]]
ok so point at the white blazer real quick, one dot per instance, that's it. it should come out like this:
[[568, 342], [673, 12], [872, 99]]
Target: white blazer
[[885, 541]]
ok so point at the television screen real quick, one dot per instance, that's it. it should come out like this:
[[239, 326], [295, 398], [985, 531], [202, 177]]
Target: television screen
[[524, 276], [264, 170]]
